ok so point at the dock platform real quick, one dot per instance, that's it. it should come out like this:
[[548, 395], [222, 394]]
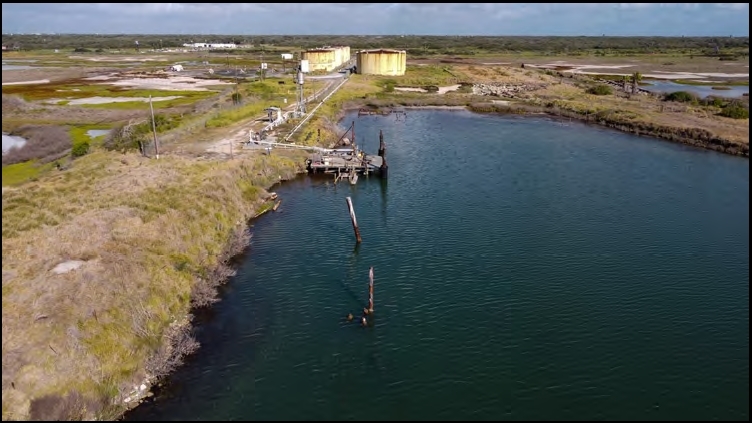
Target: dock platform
[[359, 163]]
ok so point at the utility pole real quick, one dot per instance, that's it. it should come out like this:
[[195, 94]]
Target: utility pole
[[263, 68], [154, 128]]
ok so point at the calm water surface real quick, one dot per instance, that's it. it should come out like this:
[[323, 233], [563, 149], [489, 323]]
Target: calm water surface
[[700, 90], [10, 141], [525, 269]]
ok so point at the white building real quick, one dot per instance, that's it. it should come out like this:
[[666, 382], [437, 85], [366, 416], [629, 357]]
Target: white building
[[211, 46]]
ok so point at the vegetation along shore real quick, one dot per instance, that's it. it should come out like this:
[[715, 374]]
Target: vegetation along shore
[[116, 225]]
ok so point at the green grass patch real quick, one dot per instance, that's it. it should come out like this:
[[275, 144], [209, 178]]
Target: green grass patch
[[19, 173], [82, 140], [78, 89], [260, 95], [158, 105]]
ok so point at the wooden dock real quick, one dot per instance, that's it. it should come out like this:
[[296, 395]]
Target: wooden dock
[[349, 161], [359, 163]]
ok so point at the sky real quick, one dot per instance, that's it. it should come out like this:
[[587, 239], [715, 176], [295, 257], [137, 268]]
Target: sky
[[590, 19]]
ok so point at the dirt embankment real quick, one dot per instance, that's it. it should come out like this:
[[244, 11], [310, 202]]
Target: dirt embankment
[[75, 347], [504, 89], [696, 137]]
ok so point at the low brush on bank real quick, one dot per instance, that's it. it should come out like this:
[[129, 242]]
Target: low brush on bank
[[149, 238]]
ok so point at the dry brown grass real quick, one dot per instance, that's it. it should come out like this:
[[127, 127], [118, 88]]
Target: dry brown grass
[[46, 143], [567, 96], [149, 233], [53, 74], [637, 63]]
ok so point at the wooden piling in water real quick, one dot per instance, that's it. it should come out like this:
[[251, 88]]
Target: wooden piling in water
[[382, 146], [353, 219], [370, 290], [384, 169]]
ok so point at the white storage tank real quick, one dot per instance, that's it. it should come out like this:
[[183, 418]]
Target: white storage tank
[[382, 62]]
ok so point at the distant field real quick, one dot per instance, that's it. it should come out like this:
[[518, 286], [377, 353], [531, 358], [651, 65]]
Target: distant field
[[443, 45]]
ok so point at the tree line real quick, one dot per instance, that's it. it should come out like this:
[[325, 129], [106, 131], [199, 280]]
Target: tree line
[[415, 44]]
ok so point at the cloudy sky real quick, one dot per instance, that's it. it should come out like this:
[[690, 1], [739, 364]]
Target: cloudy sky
[[712, 19]]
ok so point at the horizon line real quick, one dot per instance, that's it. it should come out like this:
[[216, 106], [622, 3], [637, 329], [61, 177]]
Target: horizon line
[[376, 35]]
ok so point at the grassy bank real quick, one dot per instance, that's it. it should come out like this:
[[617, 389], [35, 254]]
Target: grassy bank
[[158, 235], [697, 137], [696, 124]]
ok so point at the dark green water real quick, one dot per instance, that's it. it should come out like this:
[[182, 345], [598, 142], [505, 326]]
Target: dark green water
[[524, 269]]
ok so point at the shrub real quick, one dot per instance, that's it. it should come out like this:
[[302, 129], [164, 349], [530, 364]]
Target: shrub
[[681, 96], [80, 149], [134, 136], [128, 137], [735, 111], [712, 101], [44, 142], [601, 89]]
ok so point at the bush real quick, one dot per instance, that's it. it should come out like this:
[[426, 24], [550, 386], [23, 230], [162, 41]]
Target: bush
[[134, 136], [681, 96], [80, 149], [236, 97], [712, 101], [44, 142], [128, 137], [601, 89], [735, 111]]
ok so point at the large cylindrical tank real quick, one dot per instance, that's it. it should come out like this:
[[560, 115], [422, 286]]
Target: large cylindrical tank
[[347, 53], [320, 59], [338, 54], [382, 62]]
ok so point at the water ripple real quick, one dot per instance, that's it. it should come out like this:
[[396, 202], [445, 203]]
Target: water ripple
[[523, 270]]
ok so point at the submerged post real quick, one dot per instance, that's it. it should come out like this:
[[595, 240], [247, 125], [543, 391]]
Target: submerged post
[[382, 146], [370, 290], [352, 218], [382, 153]]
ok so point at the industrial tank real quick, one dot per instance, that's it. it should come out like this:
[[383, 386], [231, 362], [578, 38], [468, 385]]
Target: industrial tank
[[320, 59], [382, 62]]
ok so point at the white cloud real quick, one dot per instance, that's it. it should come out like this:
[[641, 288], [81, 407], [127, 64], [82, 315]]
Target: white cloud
[[376, 18], [733, 6], [635, 5]]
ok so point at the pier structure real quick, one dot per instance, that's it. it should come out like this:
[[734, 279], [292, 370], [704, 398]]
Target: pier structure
[[347, 159]]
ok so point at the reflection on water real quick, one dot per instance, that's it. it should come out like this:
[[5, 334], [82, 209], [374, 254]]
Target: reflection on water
[[524, 270], [16, 67], [93, 133], [10, 141]]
